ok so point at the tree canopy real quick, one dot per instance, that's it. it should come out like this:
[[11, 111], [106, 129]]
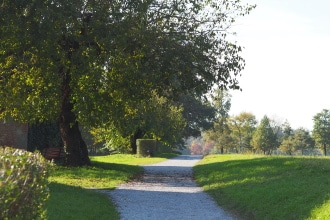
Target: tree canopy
[[321, 129], [300, 140], [242, 127], [88, 61], [220, 132], [264, 138]]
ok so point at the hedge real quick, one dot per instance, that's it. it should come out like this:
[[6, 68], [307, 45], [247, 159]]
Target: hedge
[[23, 184]]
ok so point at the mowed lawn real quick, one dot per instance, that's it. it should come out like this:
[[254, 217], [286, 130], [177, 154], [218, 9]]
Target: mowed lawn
[[73, 192], [268, 187]]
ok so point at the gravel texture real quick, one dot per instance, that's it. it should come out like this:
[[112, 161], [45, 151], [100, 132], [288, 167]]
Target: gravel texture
[[166, 191]]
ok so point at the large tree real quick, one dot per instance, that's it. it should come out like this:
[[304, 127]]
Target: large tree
[[85, 61], [321, 129]]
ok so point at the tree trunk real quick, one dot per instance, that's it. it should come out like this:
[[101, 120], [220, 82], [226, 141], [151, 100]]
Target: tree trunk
[[325, 149], [76, 149], [221, 150]]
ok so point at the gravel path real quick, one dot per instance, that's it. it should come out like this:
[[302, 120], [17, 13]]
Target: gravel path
[[166, 191]]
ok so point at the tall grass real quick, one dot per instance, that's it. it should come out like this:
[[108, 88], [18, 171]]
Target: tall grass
[[72, 190], [259, 187]]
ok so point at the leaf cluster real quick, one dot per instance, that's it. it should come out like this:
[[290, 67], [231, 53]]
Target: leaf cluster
[[23, 184], [113, 51], [264, 138]]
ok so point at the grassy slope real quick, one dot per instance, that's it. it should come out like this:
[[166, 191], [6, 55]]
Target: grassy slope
[[71, 194], [257, 187]]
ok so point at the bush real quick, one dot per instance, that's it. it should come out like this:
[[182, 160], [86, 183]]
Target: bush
[[23, 184]]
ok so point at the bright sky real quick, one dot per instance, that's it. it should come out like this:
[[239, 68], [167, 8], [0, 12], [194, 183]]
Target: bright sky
[[287, 74]]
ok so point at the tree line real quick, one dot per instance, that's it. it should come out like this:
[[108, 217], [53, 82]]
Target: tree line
[[242, 133]]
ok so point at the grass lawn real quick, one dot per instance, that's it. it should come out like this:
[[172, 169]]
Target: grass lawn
[[268, 187], [71, 189]]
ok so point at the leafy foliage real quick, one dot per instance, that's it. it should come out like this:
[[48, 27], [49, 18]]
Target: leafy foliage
[[287, 145], [321, 129], [303, 140], [23, 184], [242, 127], [106, 49], [198, 114], [156, 117], [264, 138], [300, 140], [220, 132], [91, 61]]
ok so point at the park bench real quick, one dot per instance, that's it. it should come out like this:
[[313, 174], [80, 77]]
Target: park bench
[[53, 153]]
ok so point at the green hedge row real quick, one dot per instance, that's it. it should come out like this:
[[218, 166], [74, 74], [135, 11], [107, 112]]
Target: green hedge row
[[23, 184]]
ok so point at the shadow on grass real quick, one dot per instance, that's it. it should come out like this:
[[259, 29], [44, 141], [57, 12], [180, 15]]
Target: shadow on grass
[[117, 167], [269, 187], [71, 202]]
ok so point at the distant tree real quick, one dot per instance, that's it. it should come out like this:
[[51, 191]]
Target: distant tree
[[221, 102], [287, 130], [288, 145], [220, 132], [242, 127], [264, 138], [277, 125], [286, 142], [321, 129], [302, 140], [225, 142]]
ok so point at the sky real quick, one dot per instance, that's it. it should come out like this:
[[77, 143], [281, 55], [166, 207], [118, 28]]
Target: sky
[[286, 50]]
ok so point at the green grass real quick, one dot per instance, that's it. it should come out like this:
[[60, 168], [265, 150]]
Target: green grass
[[259, 187], [71, 189]]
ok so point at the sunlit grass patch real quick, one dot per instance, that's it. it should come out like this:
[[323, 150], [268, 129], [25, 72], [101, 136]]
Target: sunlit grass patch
[[129, 159], [260, 187]]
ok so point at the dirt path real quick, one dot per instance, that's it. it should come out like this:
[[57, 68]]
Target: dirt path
[[166, 191]]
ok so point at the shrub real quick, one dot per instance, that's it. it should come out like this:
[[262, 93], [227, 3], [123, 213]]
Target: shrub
[[23, 184]]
